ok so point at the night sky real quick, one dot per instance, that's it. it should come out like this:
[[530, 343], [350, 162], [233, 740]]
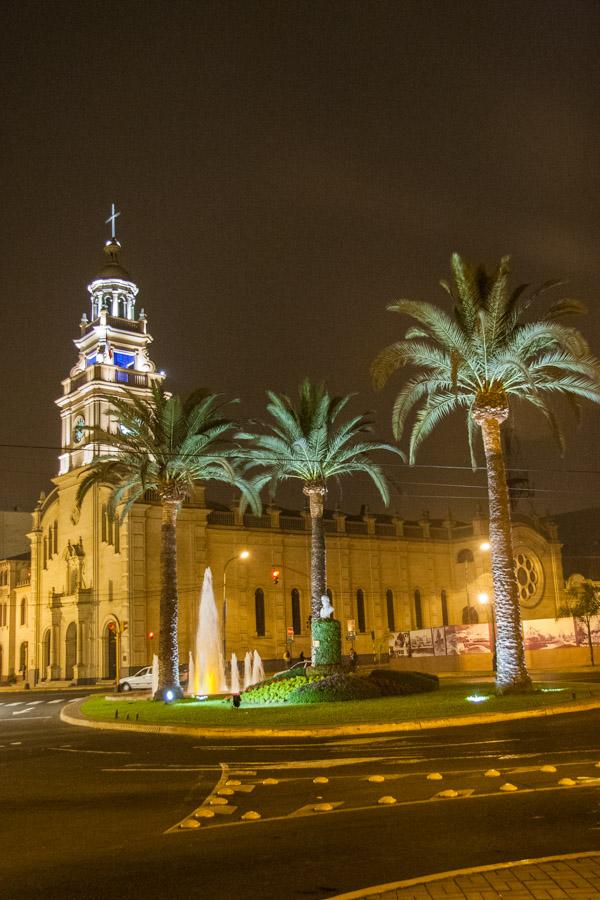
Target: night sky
[[284, 171]]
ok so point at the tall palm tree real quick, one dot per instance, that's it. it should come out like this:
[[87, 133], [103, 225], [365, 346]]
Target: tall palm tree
[[475, 360], [307, 443], [164, 445]]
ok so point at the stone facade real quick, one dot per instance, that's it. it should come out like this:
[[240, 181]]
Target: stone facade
[[84, 607]]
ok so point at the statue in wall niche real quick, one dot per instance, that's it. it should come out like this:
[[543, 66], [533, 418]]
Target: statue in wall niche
[[326, 611]]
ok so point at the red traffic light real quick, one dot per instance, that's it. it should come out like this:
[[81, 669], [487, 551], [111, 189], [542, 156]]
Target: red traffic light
[[111, 626], [275, 573], [150, 635]]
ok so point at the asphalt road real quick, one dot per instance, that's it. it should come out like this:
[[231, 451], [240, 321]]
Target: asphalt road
[[92, 814]]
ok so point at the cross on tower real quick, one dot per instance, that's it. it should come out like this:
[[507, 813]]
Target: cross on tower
[[112, 219]]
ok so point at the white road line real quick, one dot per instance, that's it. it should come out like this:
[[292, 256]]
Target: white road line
[[36, 718], [128, 770], [101, 752], [35, 702], [60, 700], [19, 712], [16, 703]]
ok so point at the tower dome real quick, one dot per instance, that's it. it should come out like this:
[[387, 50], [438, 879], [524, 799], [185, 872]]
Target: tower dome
[[112, 267]]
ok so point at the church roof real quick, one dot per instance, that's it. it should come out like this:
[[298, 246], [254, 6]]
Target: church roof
[[113, 267]]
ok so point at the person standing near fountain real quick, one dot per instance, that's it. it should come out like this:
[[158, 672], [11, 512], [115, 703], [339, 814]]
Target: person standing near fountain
[[287, 657]]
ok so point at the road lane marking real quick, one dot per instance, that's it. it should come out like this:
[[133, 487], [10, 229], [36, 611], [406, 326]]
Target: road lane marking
[[102, 752], [60, 700], [309, 809], [16, 703], [33, 718], [462, 796], [132, 770]]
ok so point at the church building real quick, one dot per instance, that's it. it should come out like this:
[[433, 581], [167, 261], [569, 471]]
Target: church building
[[83, 606]]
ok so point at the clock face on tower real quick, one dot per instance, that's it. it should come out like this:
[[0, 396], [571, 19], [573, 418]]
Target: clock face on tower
[[79, 429]]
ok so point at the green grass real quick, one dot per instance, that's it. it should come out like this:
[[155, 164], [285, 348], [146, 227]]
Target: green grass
[[447, 702]]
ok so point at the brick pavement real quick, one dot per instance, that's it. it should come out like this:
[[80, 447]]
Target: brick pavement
[[569, 877]]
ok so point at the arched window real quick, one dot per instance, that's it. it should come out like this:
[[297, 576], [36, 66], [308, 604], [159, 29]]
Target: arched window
[[55, 530], [418, 610], [389, 602], [296, 616], [361, 622], [45, 652], [24, 611], [444, 599], [23, 658], [70, 649], [45, 552], [259, 611]]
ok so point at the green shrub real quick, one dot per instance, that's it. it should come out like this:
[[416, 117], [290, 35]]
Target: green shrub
[[393, 683], [288, 673], [329, 634], [274, 690], [334, 688]]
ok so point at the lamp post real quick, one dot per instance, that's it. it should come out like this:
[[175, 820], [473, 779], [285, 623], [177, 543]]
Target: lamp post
[[243, 554], [465, 557]]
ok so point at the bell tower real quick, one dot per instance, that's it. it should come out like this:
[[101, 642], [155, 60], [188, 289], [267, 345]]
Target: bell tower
[[112, 354]]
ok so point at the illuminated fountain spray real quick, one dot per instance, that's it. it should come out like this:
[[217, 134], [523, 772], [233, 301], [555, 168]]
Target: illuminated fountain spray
[[235, 675], [258, 672], [154, 674], [191, 671], [209, 674], [248, 669]]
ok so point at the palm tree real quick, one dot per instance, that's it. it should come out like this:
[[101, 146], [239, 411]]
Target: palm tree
[[307, 443], [475, 360], [165, 445]]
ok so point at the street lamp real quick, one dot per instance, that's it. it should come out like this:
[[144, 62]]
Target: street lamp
[[465, 557], [242, 555]]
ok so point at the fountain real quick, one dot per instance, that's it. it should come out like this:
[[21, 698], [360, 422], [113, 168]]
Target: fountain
[[258, 672], [154, 674], [191, 669], [209, 671], [248, 669], [235, 675]]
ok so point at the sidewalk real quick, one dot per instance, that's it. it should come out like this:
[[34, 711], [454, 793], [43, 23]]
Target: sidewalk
[[573, 876]]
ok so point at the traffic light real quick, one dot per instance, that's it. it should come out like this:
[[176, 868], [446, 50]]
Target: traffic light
[[275, 573], [150, 635], [112, 627]]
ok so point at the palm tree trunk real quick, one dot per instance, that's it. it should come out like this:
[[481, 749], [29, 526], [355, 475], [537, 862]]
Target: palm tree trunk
[[168, 648], [318, 560], [511, 672]]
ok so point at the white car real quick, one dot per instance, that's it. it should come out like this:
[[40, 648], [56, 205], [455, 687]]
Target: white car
[[141, 681]]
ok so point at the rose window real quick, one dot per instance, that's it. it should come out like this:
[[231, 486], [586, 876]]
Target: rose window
[[529, 579]]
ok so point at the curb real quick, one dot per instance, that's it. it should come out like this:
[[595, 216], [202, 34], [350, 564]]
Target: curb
[[338, 731], [457, 873]]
